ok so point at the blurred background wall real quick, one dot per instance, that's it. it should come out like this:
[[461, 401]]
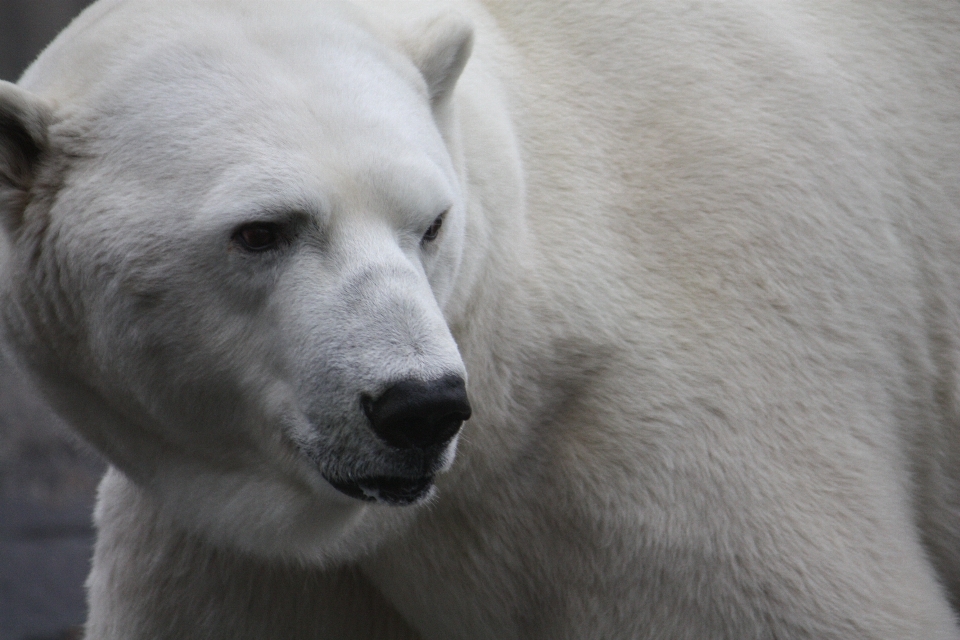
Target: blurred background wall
[[47, 478], [26, 26]]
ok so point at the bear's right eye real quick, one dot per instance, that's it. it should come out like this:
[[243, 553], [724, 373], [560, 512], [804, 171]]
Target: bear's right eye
[[434, 229], [258, 236]]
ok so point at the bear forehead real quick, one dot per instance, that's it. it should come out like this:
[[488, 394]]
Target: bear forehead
[[114, 33], [229, 109], [187, 97]]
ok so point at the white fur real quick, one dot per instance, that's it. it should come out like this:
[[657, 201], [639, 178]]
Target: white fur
[[701, 262]]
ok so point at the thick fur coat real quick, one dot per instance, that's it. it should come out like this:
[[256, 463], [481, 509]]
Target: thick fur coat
[[698, 263]]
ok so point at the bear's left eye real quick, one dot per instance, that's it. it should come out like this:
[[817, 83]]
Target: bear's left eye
[[434, 229], [258, 236]]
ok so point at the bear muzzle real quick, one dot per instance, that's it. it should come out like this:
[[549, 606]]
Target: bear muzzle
[[417, 421]]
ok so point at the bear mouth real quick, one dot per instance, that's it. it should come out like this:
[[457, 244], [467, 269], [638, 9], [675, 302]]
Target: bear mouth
[[389, 490]]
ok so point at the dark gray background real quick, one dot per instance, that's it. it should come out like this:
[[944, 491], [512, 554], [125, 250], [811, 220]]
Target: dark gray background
[[26, 26], [47, 478]]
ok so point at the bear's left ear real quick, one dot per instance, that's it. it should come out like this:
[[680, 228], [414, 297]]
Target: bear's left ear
[[440, 48], [24, 119]]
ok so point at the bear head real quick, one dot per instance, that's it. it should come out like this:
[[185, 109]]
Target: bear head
[[230, 238]]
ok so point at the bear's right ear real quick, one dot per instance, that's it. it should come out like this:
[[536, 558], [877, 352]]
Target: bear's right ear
[[24, 120]]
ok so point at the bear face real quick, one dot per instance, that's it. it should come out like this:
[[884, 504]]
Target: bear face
[[244, 264]]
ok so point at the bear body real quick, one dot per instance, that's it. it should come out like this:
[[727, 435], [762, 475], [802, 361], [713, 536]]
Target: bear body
[[698, 263]]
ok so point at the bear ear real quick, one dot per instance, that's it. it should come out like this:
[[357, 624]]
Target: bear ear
[[440, 48], [24, 119]]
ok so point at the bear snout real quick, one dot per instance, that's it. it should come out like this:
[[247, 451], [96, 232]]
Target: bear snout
[[418, 414]]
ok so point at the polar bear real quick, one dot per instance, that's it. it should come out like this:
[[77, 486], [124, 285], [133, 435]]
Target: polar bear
[[620, 319]]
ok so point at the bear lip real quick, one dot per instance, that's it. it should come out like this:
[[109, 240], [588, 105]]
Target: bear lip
[[391, 490]]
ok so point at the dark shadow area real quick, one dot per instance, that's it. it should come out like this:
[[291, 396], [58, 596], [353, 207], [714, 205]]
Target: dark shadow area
[[47, 485]]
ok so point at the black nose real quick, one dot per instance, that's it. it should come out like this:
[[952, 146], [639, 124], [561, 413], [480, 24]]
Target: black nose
[[414, 413]]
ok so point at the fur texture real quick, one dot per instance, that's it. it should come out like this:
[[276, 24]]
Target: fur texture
[[699, 261]]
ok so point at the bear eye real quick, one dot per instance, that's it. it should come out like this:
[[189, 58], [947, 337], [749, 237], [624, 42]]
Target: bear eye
[[258, 236], [434, 229]]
